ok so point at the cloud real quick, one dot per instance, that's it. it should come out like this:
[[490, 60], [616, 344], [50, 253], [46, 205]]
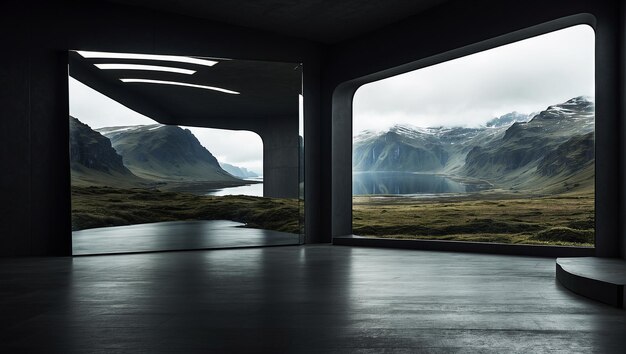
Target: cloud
[[526, 76], [97, 110]]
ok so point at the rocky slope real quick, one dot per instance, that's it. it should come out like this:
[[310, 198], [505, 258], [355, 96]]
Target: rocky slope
[[542, 141], [167, 153], [416, 149], [92, 150], [92, 158]]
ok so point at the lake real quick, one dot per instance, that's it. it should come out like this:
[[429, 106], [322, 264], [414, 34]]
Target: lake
[[407, 183], [253, 189], [175, 235]]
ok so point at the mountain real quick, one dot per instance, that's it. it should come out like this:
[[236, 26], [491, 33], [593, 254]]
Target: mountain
[[165, 153], [511, 151], [401, 148], [92, 150], [525, 146], [415, 149], [92, 158], [240, 172], [571, 156]]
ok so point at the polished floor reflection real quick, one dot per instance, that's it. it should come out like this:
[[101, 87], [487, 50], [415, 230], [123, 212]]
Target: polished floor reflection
[[175, 235], [300, 299]]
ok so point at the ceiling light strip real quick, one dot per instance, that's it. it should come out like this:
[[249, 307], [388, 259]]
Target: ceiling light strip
[[148, 81], [175, 58], [144, 67]]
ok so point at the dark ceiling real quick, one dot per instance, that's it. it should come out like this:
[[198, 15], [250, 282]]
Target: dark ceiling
[[267, 89], [326, 21]]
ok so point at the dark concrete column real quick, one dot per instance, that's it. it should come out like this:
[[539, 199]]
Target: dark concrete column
[[622, 118], [324, 183], [609, 159], [281, 158], [313, 211], [341, 223]]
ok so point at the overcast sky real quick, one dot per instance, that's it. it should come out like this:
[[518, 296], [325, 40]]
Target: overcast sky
[[239, 148], [525, 76]]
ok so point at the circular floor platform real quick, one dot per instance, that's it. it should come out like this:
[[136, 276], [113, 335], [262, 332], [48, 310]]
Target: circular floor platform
[[601, 279]]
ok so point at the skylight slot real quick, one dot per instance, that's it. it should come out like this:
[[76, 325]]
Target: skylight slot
[[144, 67], [174, 58], [175, 83]]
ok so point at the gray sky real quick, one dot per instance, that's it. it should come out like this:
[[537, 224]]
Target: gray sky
[[525, 76], [239, 148]]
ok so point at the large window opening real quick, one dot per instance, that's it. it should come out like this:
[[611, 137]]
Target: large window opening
[[497, 147], [139, 185]]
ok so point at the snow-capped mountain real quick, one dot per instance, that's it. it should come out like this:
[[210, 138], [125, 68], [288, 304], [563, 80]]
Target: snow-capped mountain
[[510, 150], [508, 119]]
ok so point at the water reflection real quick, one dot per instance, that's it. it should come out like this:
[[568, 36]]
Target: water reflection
[[175, 235], [364, 183], [253, 189]]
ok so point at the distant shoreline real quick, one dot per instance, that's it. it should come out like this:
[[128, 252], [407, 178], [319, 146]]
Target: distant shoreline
[[203, 187], [194, 187]]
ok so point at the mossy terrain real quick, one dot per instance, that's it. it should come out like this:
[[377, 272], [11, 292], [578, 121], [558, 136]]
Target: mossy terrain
[[106, 206], [566, 219]]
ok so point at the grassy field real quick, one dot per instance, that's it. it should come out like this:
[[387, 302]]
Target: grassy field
[[566, 219], [105, 206]]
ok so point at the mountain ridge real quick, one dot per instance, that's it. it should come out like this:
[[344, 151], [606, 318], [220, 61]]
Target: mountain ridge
[[165, 152], [149, 156], [93, 159], [237, 171], [530, 152]]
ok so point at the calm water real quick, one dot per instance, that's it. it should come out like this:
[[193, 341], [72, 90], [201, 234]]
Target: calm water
[[364, 183], [175, 235], [254, 189]]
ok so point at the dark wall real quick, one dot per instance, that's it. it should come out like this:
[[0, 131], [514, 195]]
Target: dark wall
[[36, 35], [459, 28], [14, 132], [34, 183], [34, 104]]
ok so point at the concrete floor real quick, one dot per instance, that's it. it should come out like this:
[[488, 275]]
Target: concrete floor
[[310, 299]]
